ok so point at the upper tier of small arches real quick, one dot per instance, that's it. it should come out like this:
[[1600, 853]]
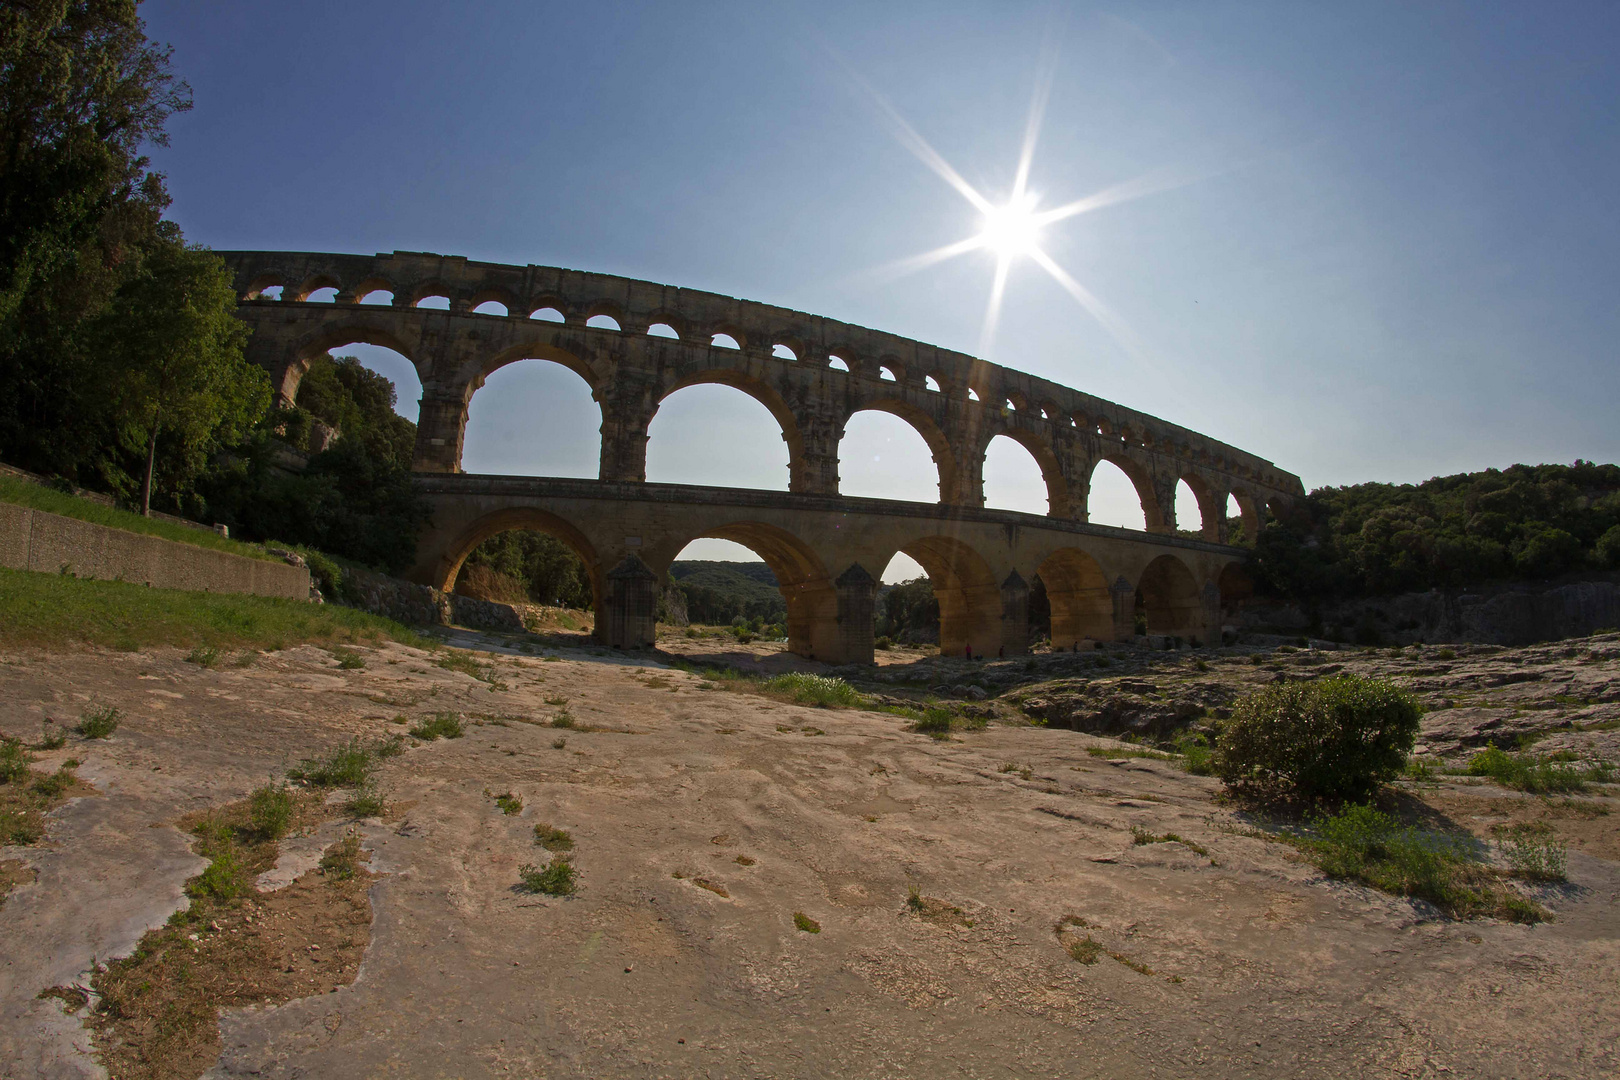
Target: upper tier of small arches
[[631, 307]]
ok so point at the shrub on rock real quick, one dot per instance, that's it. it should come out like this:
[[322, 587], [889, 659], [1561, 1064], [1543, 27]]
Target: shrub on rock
[[1336, 738]]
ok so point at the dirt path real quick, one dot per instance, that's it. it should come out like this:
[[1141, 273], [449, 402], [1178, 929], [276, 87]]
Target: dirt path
[[1239, 962]]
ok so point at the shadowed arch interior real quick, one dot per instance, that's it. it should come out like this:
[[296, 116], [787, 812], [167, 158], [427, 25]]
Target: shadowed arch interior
[[518, 517], [1168, 596], [969, 595], [801, 578], [1082, 605]]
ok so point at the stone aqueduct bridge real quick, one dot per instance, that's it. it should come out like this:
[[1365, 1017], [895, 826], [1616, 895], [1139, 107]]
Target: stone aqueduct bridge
[[824, 548]]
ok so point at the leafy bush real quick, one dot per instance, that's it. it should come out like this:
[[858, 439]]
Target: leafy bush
[[13, 761], [935, 723], [270, 810], [222, 878], [819, 690], [555, 879], [1532, 851], [1338, 737]]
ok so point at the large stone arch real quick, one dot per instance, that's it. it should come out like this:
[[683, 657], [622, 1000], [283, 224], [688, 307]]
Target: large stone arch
[[1141, 479], [969, 595], [750, 384], [1211, 508], [455, 553], [335, 337], [923, 423], [1168, 595], [1082, 601], [802, 578]]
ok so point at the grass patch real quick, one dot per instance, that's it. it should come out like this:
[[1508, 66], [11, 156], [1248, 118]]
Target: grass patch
[[39, 497], [340, 861], [348, 659], [466, 664], [818, 690], [509, 804], [26, 795], [553, 839], [99, 723], [203, 656], [48, 610], [1533, 851], [557, 878], [444, 725], [1359, 843], [806, 923], [1538, 775], [1140, 835], [366, 802], [270, 811], [350, 765]]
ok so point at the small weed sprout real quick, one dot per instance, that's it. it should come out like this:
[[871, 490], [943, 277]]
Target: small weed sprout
[[557, 701], [222, 879], [806, 923], [559, 742], [563, 719], [914, 900], [556, 879], [509, 803], [348, 659], [99, 723], [347, 766], [342, 859], [935, 723], [1086, 949], [366, 802], [50, 736], [203, 656], [444, 725]]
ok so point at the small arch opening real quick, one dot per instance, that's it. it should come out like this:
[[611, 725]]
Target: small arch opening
[[548, 314], [1012, 478], [327, 295], [663, 330], [436, 302], [1113, 499], [748, 581], [602, 322], [837, 363], [378, 297], [931, 383], [271, 292], [491, 307], [886, 375], [973, 395], [1189, 514], [782, 352], [724, 341]]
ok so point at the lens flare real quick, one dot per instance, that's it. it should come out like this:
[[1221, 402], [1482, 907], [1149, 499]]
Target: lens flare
[[1013, 229]]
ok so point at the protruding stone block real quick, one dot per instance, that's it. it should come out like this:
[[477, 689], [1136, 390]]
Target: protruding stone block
[[632, 607], [857, 601]]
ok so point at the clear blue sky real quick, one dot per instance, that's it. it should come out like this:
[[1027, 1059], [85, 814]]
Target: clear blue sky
[[1390, 250]]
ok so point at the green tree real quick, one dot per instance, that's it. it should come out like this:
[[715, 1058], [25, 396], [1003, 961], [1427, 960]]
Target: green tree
[[81, 91], [172, 347]]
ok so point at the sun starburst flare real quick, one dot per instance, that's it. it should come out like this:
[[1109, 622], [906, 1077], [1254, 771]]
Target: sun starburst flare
[[1012, 230]]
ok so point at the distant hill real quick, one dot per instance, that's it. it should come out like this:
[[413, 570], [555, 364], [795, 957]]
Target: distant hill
[[718, 592]]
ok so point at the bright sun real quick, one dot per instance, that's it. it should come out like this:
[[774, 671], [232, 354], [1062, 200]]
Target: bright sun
[[1013, 229]]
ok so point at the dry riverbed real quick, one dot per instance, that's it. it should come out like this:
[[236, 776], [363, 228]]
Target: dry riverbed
[[770, 890]]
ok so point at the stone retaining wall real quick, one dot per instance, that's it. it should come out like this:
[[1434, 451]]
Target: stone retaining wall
[[52, 544]]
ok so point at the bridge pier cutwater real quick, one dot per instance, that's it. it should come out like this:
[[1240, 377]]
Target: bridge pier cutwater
[[826, 550]]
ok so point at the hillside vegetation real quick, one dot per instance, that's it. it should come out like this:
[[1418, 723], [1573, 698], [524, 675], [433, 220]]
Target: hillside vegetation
[[1527, 522]]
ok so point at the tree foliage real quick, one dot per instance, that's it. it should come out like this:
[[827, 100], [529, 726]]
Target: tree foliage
[[546, 568], [1523, 522], [352, 498], [171, 348], [81, 91]]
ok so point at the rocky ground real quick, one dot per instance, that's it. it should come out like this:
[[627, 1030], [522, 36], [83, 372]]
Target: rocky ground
[[706, 819]]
